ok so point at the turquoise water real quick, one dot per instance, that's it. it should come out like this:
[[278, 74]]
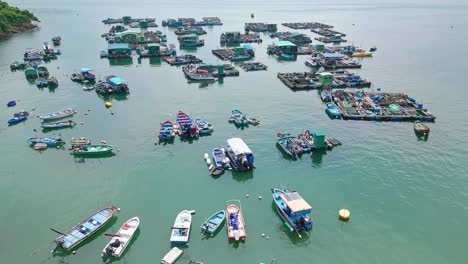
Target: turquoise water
[[407, 197]]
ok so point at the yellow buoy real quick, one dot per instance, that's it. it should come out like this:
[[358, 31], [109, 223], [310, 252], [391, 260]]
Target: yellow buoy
[[344, 214], [108, 104]]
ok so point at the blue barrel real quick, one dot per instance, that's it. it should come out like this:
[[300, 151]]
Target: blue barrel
[[420, 106]]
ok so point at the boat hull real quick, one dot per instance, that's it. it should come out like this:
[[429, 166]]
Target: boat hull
[[235, 228], [181, 229], [287, 220], [213, 223], [124, 237]]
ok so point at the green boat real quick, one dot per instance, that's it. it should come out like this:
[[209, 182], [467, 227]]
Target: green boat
[[92, 150]]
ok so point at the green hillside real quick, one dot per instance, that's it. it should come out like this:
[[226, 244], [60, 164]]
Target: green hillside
[[13, 18]]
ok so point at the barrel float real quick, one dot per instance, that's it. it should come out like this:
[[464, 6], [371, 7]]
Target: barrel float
[[344, 214]]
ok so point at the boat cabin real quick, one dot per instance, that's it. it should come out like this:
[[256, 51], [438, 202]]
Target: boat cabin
[[295, 206], [239, 153], [118, 50]]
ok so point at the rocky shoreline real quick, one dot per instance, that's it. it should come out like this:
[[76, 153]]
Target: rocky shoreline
[[18, 29]]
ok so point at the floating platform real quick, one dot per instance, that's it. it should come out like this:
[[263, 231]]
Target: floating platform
[[209, 72], [134, 38], [314, 80], [190, 30], [327, 32], [126, 20], [253, 66], [332, 61], [260, 27], [182, 60], [306, 25], [190, 21], [235, 54], [294, 37], [235, 38], [371, 106], [330, 40]]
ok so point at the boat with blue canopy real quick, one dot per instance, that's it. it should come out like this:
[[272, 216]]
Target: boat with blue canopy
[[186, 126], [85, 228], [293, 209], [239, 118], [212, 224]]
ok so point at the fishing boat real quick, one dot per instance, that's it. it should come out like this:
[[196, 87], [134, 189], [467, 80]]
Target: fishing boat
[[239, 153], [421, 128], [84, 75], [203, 126], [18, 117], [238, 118], [41, 82], [326, 96], [181, 230], [220, 158], [61, 124], [52, 82], [103, 54], [212, 224], [92, 150], [293, 209], [42, 70], [373, 49], [235, 221], [51, 142], [121, 239], [88, 88], [332, 110], [172, 256], [16, 65], [284, 140], [56, 40], [311, 62], [81, 141], [58, 115], [11, 103], [84, 229], [186, 126], [287, 57], [167, 130], [253, 121]]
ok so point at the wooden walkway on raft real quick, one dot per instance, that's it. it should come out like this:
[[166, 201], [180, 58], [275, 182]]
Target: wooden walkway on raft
[[310, 80], [253, 66]]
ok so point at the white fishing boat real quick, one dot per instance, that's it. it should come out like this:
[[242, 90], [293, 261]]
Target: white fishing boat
[[58, 115], [121, 239], [181, 229], [172, 256]]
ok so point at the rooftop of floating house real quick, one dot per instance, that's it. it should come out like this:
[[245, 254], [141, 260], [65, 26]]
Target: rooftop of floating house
[[283, 43], [118, 46], [116, 81]]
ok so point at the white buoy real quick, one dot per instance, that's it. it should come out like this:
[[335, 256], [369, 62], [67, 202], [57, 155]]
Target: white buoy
[[206, 156], [260, 197], [118, 209], [247, 195], [208, 161], [263, 235], [210, 167], [344, 214], [267, 237], [74, 252]]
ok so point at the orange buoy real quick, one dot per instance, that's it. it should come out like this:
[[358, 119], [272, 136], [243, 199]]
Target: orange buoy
[[108, 104], [344, 214]]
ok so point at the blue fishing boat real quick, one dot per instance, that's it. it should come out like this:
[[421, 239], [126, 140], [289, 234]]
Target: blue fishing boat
[[166, 130], [221, 161], [86, 72], [54, 125], [18, 117], [50, 142], [84, 229], [238, 118], [11, 103], [203, 126], [326, 96], [293, 209], [285, 141], [373, 49], [288, 57], [212, 224], [242, 158], [41, 82], [186, 126], [332, 110]]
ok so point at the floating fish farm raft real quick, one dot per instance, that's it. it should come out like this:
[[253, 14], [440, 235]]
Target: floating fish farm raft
[[182, 22], [154, 50], [306, 25], [332, 39], [127, 20], [333, 61], [371, 106], [327, 32], [210, 70], [314, 80], [133, 37], [305, 142], [190, 30], [253, 66], [260, 27], [295, 37], [235, 38], [245, 52], [182, 60]]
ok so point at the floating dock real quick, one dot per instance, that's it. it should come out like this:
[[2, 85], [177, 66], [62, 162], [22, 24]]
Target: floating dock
[[253, 66], [260, 27], [190, 30], [236, 38], [294, 37], [313, 80], [127, 20], [306, 25], [154, 50], [333, 39], [327, 32], [243, 53], [133, 37], [182, 60], [332, 61], [190, 21], [371, 106], [208, 72]]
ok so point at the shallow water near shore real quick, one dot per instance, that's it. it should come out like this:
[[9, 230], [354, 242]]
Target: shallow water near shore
[[407, 196]]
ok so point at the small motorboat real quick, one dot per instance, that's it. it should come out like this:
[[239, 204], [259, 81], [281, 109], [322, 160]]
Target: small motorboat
[[11, 103], [421, 128], [61, 124], [84, 229], [220, 158], [235, 221], [186, 126], [52, 82], [287, 57], [238, 118], [293, 209], [103, 54], [121, 239], [203, 126], [92, 150], [56, 40], [166, 130], [253, 121], [333, 111], [18, 117], [172, 256], [181, 230], [311, 62], [216, 172], [51, 142], [212, 224], [88, 88], [41, 82], [284, 140], [58, 115], [326, 96], [81, 141]]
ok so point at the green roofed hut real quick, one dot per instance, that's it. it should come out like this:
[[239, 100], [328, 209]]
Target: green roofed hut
[[128, 36]]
